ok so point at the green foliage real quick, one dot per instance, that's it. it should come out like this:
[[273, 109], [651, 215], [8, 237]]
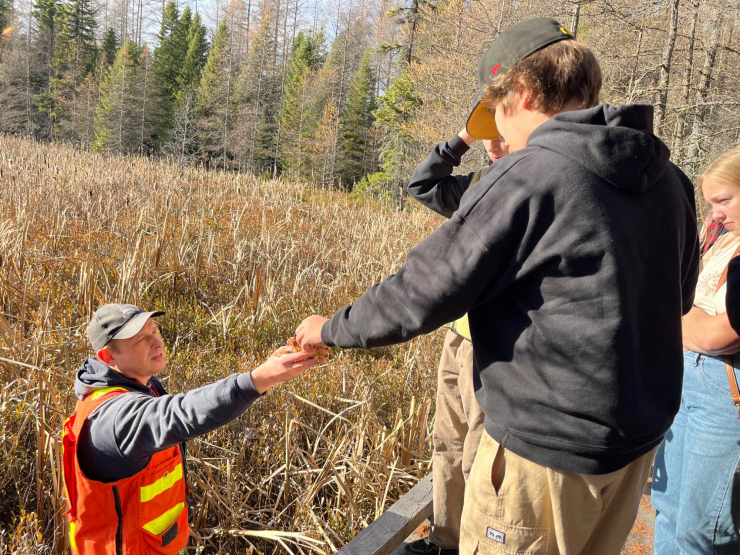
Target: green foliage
[[195, 56], [298, 119], [408, 15], [116, 115], [357, 153], [215, 101], [45, 14], [5, 12], [110, 47], [397, 107], [259, 95], [168, 64], [376, 185], [75, 55], [76, 21]]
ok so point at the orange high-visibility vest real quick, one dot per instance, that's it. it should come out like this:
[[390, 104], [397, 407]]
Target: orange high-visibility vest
[[146, 513]]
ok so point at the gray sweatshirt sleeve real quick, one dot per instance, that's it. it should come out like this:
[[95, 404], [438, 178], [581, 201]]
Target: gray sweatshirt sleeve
[[127, 430], [433, 184]]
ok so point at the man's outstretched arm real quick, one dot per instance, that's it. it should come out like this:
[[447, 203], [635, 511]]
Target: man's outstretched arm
[[127, 430]]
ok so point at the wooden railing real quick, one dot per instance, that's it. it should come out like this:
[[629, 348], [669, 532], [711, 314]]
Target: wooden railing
[[392, 527]]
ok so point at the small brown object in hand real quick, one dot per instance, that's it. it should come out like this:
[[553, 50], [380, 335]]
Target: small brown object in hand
[[321, 352]]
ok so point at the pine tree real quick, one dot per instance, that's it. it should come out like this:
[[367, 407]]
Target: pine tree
[[410, 16], [146, 102], [399, 103], [297, 118], [195, 57], [215, 101], [74, 59], [45, 14], [110, 47], [333, 84], [81, 127], [181, 141], [258, 95], [356, 152], [118, 114], [397, 107], [169, 58]]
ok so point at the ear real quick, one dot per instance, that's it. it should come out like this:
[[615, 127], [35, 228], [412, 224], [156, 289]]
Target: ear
[[525, 101], [105, 355]]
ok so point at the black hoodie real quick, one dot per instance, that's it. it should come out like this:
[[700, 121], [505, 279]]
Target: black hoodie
[[119, 437], [575, 258]]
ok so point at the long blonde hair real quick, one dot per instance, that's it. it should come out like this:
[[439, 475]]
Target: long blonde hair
[[725, 168]]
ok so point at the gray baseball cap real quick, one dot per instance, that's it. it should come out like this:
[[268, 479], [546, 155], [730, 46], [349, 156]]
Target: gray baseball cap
[[117, 321]]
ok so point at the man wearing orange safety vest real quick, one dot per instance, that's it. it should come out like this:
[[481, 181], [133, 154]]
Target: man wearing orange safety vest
[[124, 447]]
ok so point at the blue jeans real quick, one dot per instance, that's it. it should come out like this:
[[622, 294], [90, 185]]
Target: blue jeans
[[696, 479]]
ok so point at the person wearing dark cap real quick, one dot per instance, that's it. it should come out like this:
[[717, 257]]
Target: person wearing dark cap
[[573, 295], [124, 447], [458, 421]]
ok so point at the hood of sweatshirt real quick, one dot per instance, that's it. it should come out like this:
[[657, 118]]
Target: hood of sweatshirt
[[94, 374], [614, 142]]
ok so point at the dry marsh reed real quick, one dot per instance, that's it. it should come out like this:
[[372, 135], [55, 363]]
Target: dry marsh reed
[[236, 263]]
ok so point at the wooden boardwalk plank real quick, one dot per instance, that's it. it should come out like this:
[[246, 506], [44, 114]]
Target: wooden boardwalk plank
[[394, 525]]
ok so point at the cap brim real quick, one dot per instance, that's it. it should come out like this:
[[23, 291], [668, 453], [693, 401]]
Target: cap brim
[[481, 124], [135, 325]]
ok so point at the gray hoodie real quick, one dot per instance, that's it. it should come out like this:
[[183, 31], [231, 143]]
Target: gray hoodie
[[120, 437]]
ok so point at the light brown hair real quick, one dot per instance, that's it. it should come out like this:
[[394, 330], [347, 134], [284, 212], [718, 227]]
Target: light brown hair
[[726, 168], [561, 73]]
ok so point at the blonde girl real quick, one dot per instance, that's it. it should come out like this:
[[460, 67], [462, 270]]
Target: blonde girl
[[696, 479]]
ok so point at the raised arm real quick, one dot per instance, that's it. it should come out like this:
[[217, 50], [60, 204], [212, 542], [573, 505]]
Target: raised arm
[[433, 184]]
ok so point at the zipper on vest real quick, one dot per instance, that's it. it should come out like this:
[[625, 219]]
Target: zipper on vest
[[119, 513]]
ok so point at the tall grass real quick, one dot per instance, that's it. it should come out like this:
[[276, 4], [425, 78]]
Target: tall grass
[[236, 263]]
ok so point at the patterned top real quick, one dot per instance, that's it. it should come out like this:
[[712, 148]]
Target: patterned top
[[714, 262]]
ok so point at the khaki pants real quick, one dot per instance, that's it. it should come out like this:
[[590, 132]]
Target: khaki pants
[[515, 506], [458, 426]]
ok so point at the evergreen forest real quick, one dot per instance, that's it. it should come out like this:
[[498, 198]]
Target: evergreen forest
[[351, 94]]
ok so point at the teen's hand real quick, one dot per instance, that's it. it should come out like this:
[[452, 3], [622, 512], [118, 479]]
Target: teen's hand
[[309, 332], [280, 368]]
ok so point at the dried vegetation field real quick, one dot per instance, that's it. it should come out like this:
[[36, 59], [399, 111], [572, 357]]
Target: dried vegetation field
[[236, 263]]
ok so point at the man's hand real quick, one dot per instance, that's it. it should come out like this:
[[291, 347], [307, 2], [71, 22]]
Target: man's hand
[[280, 368], [467, 138], [309, 332]]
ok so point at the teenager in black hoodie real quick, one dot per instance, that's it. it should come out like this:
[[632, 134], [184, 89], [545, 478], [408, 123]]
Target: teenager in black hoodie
[[574, 296]]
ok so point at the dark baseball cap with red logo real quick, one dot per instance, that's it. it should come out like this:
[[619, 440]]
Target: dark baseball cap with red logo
[[512, 45]]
